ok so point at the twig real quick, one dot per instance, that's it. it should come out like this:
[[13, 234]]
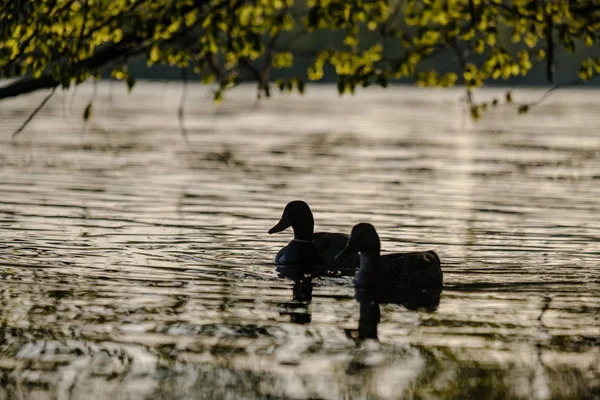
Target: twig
[[180, 110], [550, 39], [94, 91], [33, 114], [463, 66], [72, 99], [573, 83], [472, 13], [212, 61], [263, 83], [82, 31], [87, 113], [248, 66], [545, 307]]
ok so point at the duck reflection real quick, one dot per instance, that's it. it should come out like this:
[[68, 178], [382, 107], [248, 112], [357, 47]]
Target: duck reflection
[[369, 312], [369, 297], [302, 276]]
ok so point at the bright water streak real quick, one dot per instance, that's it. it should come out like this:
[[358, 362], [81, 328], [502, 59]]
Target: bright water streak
[[137, 265]]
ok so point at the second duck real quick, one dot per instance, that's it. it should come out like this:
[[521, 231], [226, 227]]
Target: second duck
[[412, 279]]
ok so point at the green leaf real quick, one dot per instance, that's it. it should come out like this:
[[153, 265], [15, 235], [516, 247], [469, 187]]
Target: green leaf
[[130, 82], [154, 54], [475, 113], [284, 59], [87, 113], [341, 86], [382, 80], [280, 84], [218, 97], [119, 73], [301, 86]]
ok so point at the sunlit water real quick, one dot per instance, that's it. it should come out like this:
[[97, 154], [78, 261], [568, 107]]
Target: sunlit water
[[137, 265]]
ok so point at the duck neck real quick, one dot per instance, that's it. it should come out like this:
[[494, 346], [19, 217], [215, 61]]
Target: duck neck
[[369, 267], [304, 233]]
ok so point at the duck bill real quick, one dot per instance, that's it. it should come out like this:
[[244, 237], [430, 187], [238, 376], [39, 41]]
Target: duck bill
[[281, 225], [346, 251]]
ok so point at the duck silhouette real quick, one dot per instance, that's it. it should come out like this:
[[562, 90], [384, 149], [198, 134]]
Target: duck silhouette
[[309, 247], [413, 279], [298, 309]]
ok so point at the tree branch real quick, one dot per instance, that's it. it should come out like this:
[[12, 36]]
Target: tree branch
[[573, 83], [462, 61], [263, 83], [128, 46], [251, 68], [550, 48], [34, 113], [180, 110]]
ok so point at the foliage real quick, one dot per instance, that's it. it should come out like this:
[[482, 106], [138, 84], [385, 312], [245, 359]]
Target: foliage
[[60, 43]]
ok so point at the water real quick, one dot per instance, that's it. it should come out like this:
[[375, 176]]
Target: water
[[136, 265]]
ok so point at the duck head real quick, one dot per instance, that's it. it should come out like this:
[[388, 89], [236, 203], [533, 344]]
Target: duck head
[[296, 214], [363, 239]]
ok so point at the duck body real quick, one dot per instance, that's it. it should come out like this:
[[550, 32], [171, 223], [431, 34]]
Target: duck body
[[327, 246], [299, 252], [414, 279], [310, 248]]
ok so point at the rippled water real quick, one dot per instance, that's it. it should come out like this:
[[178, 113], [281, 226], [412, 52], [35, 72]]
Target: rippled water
[[136, 265]]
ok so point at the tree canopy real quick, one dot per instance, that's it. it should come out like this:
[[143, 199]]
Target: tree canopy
[[60, 43]]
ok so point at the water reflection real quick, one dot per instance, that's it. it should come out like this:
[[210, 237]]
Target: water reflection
[[370, 314], [302, 276], [369, 298], [135, 265]]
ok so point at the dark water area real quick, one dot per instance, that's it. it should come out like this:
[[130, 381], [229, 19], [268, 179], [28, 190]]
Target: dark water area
[[136, 265]]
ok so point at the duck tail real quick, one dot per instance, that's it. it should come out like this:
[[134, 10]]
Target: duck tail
[[435, 256]]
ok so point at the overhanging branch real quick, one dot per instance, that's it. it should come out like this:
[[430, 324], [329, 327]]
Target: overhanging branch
[[128, 47]]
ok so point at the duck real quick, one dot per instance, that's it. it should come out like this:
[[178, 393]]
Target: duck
[[309, 248], [413, 279]]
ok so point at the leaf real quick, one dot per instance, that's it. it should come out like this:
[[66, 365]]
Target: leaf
[[382, 80], [154, 54], [341, 86], [218, 97], [87, 113], [284, 59], [119, 73], [315, 72], [301, 86], [540, 54], [475, 113], [280, 84], [523, 109], [130, 83]]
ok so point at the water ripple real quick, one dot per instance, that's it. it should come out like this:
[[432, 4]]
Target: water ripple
[[136, 265]]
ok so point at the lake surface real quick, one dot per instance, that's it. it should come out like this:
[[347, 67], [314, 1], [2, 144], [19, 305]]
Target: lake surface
[[135, 262]]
